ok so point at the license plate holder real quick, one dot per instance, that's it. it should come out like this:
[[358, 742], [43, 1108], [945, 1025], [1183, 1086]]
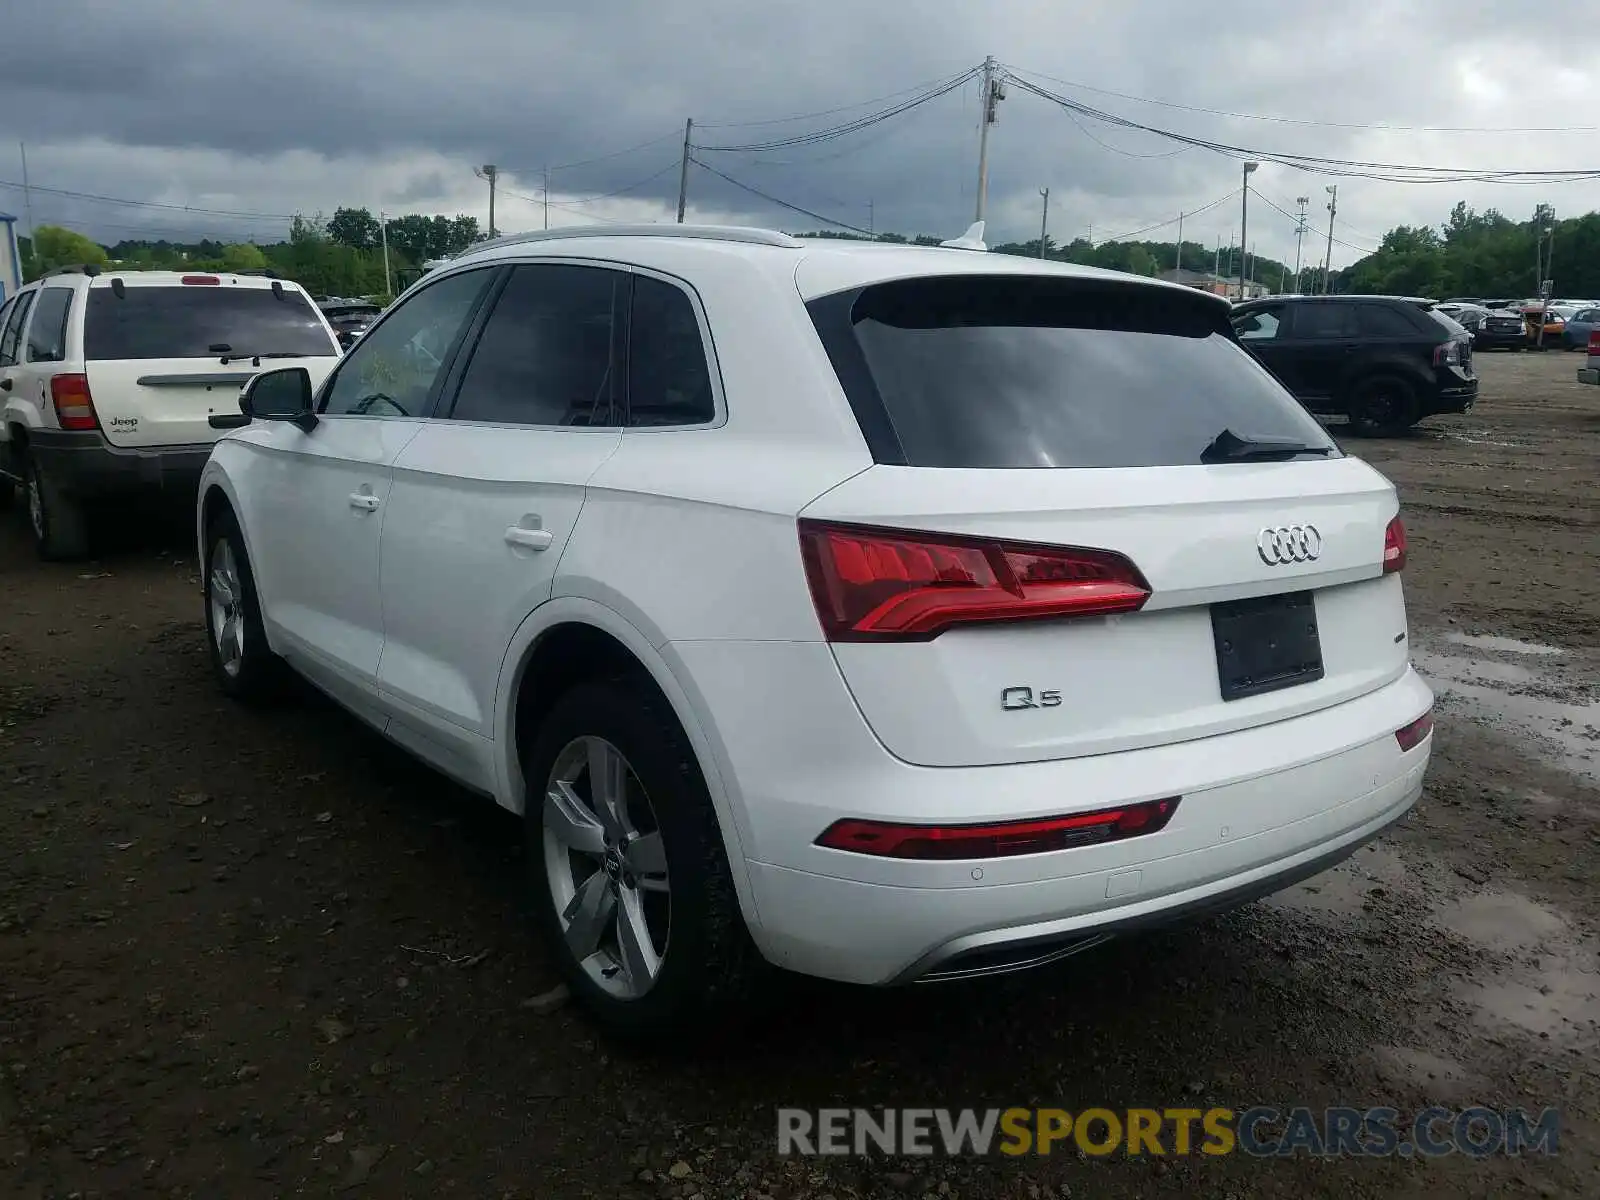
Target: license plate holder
[[1266, 643]]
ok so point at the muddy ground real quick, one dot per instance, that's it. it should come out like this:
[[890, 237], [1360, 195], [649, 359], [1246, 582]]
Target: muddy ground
[[265, 955]]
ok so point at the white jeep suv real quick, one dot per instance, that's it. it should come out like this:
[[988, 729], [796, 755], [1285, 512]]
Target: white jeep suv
[[889, 614], [114, 382]]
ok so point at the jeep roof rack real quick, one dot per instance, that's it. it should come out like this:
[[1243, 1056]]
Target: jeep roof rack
[[716, 233], [89, 269]]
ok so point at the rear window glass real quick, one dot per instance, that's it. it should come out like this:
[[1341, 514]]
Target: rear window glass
[[193, 321], [1002, 372]]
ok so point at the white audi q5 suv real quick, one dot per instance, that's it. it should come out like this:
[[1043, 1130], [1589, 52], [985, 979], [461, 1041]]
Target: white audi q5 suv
[[889, 614]]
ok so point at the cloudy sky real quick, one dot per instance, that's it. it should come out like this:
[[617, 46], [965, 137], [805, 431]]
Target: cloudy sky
[[255, 111]]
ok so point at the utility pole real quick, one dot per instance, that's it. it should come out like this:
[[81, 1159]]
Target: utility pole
[[872, 213], [27, 202], [1299, 235], [547, 197], [1544, 248], [1327, 262], [683, 169], [1178, 266], [1244, 223], [1216, 266], [492, 174], [383, 232], [1044, 221], [993, 92]]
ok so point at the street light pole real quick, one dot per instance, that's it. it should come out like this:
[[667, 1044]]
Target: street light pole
[[1244, 224]]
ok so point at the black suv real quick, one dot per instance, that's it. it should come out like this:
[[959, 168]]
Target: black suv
[[1385, 362]]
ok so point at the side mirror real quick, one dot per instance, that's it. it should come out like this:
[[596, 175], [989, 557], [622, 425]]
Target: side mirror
[[280, 395]]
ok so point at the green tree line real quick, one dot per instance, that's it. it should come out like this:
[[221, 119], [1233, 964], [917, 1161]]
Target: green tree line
[[1471, 254]]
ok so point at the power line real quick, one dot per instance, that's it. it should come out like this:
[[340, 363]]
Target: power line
[[1377, 127], [1391, 172], [1120, 237], [185, 208], [654, 175], [584, 162], [771, 199], [826, 112], [853, 126]]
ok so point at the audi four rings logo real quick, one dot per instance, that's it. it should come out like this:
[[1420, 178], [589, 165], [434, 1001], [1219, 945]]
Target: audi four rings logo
[[1289, 544]]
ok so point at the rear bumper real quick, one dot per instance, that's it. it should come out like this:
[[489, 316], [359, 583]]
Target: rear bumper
[[1589, 375], [1261, 807], [89, 467], [1453, 396]]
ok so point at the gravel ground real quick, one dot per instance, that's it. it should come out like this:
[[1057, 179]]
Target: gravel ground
[[266, 955]]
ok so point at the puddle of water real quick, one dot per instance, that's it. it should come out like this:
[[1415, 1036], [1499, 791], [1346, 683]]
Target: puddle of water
[[1442, 1078], [1500, 921], [1490, 641], [1561, 1000], [1467, 686]]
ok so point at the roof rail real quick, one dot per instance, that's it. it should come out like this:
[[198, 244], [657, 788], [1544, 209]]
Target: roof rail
[[716, 233], [265, 272], [89, 269]]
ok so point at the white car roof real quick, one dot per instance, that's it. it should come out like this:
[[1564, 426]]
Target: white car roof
[[819, 266]]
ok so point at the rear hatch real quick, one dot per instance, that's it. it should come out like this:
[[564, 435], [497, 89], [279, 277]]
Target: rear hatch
[[163, 354], [1095, 524]]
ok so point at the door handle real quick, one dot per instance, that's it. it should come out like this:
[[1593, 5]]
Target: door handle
[[365, 501], [533, 539]]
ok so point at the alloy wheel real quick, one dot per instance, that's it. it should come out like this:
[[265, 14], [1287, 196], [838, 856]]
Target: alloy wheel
[[227, 608], [607, 867]]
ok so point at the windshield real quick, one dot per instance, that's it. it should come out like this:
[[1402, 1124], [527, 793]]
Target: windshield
[[191, 321], [1035, 371]]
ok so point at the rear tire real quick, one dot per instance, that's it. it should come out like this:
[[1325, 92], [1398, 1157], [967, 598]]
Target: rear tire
[[1382, 406], [246, 668], [56, 521], [700, 958]]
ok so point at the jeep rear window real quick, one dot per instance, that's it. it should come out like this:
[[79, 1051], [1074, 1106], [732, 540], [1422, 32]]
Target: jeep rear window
[[189, 321], [1026, 371]]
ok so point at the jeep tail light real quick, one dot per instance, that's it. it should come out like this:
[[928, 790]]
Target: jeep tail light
[[872, 584], [1413, 734], [891, 839], [1394, 546], [74, 407]]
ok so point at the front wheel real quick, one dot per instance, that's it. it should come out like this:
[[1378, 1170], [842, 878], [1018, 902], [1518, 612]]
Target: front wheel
[[1382, 406], [628, 880]]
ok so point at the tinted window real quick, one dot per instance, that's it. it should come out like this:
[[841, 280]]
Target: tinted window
[[974, 371], [201, 321], [1325, 321], [669, 382], [1261, 324], [47, 336], [6, 309], [1378, 320], [11, 334], [1452, 327], [546, 351], [393, 369]]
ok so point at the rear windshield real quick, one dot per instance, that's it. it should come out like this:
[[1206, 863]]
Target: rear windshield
[[1009, 371], [193, 321]]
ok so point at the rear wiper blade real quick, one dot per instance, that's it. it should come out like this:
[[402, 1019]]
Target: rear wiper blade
[[229, 356], [1228, 446]]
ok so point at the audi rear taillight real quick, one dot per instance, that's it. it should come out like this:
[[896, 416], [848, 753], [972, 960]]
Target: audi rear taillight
[[1394, 546], [73, 404], [1005, 839], [872, 584]]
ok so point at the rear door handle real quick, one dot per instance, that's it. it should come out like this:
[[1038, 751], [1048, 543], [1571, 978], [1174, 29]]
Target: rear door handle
[[365, 501], [533, 539]]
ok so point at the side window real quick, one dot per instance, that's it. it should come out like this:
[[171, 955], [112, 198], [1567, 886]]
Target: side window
[[1378, 320], [669, 382], [11, 334], [546, 353], [392, 370], [47, 336], [1259, 325], [6, 310], [1325, 321]]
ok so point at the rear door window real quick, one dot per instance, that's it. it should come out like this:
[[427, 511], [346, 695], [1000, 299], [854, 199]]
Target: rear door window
[[1316, 321], [202, 321], [47, 336], [1019, 371], [1381, 321], [11, 333]]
